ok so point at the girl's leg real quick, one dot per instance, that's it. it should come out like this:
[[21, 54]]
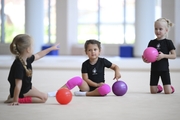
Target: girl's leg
[[168, 89], [36, 95], [76, 81], [93, 93], [85, 93], [32, 96], [73, 82], [100, 91], [154, 79], [9, 99], [83, 87], [156, 89], [153, 89]]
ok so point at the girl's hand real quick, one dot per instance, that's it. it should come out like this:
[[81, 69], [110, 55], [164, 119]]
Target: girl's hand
[[145, 59], [117, 76], [14, 104], [55, 47], [160, 56]]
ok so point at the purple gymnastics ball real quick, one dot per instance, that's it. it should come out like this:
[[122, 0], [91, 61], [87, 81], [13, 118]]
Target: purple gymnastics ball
[[119, 88]]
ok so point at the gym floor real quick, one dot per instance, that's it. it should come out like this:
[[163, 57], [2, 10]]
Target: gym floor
[[50, 73]]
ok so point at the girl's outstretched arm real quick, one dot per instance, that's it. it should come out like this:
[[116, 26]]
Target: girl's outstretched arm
[[46, 51]]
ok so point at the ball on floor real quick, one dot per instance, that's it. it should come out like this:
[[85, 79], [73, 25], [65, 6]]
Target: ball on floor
[[63, 96], [119, 88]]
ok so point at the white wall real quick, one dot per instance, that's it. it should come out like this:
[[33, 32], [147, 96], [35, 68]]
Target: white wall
[[5, 49], [67, 29], [170, 10]]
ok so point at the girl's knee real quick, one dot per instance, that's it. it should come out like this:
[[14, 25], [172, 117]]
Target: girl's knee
[[44, 97], [84, 87], [167, 92], [75, 81], [104, 89], [153, 92], [168, 89], [153, 89]]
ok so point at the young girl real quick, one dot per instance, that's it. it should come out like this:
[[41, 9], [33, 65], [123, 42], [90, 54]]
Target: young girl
[[20, 75], [160, 68], [92, 82]]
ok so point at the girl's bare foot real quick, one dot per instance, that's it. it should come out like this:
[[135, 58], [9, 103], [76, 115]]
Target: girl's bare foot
[[9, 100]]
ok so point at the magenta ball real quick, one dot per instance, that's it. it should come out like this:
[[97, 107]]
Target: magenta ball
[[119, 88], [150, 54]]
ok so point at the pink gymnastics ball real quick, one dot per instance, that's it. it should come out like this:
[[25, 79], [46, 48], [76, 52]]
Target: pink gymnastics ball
[[150, 54]]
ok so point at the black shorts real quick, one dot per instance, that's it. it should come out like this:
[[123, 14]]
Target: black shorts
[[165, 77]]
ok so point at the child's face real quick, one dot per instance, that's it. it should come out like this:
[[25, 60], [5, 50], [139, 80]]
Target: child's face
[[93, 51], [160, 30]]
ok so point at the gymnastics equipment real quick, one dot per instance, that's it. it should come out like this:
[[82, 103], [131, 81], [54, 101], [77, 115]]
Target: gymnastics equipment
[[119, 88]]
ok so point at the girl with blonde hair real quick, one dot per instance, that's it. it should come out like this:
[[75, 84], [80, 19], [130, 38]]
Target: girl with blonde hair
[[166, 49], [20, 75]]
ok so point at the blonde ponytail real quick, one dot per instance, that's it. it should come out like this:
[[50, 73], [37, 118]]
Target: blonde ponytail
[[19, 44], [168, 24]]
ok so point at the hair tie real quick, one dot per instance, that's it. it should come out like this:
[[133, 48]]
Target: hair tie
[[14, 45]]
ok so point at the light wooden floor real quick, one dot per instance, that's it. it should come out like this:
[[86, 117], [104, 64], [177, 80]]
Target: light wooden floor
[[137, 104]]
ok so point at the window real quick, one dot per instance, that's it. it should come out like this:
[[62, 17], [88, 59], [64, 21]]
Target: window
[[12, 19], [110, 21], [50, 21]]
